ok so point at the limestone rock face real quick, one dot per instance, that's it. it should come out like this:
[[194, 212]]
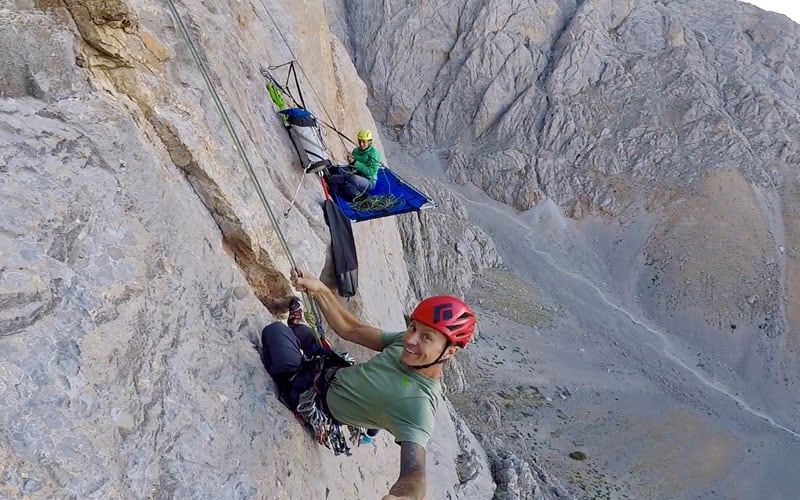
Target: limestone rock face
[[443, 250], [138, 265], [517, 479]]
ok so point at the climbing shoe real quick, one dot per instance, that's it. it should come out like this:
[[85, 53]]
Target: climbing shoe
[[368, 436], [295, 312]]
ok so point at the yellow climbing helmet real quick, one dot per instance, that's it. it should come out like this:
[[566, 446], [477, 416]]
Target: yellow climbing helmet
[[364, 135]]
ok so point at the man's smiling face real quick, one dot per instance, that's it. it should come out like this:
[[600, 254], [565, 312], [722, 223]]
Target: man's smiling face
[[421, 345]]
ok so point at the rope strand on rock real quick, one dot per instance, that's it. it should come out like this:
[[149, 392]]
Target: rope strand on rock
[[318, 332]]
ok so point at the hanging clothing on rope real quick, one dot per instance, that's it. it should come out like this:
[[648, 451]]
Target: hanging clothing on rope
[[343, 247]]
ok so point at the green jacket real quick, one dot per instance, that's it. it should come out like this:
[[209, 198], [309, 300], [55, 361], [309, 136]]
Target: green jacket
[[367, 161]]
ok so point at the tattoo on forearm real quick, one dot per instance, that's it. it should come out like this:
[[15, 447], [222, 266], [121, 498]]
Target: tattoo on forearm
[[412, 458], [411, 482]]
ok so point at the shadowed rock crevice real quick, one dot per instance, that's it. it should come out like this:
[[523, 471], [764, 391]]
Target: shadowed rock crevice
[[66, 234], [269, 284], [557, 46]]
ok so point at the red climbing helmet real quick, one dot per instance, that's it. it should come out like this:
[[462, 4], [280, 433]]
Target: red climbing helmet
[[447, 315]]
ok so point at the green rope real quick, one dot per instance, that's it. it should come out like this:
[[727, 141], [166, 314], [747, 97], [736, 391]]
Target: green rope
[[375, 203]]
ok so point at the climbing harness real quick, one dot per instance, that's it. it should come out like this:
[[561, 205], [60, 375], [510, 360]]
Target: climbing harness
[[318, 373]]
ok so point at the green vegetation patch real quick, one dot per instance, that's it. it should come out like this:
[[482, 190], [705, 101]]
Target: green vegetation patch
[[501, 291], [577, 455]]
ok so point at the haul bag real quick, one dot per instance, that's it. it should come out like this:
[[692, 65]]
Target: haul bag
[[307, 139]]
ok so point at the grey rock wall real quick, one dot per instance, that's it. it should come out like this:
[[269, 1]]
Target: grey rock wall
[[120, 328], [137, 264], [591, 103]]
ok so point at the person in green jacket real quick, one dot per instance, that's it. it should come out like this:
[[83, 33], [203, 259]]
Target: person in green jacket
[[358, 177]]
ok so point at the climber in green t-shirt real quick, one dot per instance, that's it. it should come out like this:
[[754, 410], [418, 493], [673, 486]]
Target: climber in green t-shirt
[[397, 389]]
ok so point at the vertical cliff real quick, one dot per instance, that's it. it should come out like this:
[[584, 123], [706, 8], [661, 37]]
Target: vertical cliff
[[138, 265]]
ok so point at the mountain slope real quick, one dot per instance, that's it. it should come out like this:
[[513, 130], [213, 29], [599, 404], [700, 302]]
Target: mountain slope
[[668, 134]]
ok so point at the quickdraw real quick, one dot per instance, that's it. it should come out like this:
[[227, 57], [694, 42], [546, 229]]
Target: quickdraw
[[312, 409]]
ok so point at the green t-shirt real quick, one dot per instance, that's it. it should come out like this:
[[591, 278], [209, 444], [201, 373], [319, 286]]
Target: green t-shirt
[[384, 393]]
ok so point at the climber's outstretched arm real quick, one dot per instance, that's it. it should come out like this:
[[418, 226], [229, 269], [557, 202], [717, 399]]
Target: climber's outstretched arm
[[411, 483], [340, 319]]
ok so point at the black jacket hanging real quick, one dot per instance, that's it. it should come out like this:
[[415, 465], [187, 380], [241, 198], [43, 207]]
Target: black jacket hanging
[[343, 247]]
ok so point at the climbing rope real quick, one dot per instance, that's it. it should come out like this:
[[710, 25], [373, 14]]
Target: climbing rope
[[298, 103], [375, 203], [318, 332]]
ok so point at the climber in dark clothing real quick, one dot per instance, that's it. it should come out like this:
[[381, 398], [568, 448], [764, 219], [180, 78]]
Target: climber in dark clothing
[[284, 348]]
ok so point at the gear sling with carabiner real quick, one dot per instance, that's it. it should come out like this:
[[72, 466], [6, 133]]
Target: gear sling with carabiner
[[304, 393]]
